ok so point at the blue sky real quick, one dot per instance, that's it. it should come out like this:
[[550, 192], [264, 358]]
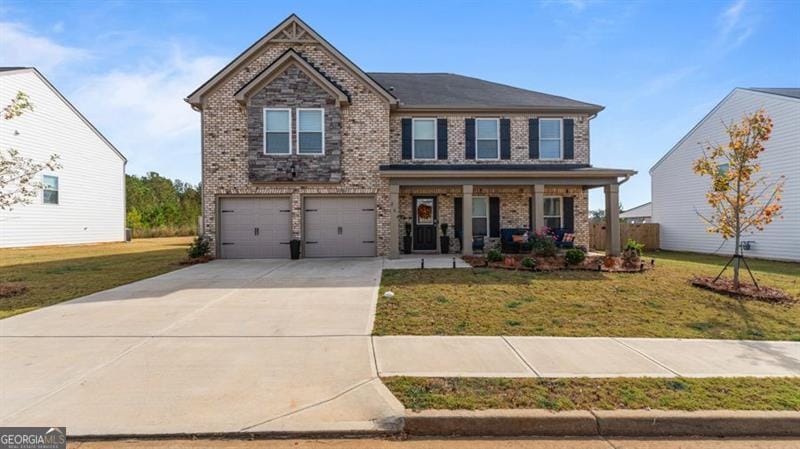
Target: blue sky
[[658, 67]]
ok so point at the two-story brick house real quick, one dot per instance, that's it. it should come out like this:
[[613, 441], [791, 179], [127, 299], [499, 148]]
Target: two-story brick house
[[299, 143]]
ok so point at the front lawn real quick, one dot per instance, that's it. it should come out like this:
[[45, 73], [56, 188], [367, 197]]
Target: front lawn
[[744, 393], [656, 303], [52, 274]]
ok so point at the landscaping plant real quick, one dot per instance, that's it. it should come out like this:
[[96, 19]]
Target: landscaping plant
[[528, 262], [574, 256], [494, 255], [543, 244], [200, 247], [740, 201]]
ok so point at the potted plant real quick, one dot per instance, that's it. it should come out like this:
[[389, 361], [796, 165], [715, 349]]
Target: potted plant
[[444, 240], [407, 239]]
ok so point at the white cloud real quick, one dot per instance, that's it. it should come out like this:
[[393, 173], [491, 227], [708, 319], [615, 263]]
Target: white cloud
[[667, 80], [736, 23], [143, 113], [19, 46]]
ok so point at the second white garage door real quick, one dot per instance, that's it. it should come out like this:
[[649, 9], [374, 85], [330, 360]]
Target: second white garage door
[[339, 227]]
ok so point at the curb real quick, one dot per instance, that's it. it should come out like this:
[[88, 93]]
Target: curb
[[613, 423]]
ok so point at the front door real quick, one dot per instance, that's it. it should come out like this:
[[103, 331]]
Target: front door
[[424, 223]]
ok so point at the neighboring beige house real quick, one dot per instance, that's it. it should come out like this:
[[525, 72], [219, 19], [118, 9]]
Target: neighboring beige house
[[299, 143], [642, 213]]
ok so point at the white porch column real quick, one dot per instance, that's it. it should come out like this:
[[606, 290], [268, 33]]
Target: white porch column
[[538, 206], [612, 219], [394, 226], [466, 206]]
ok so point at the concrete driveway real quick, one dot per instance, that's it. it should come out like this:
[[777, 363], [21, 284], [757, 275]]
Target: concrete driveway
[[229, 346]]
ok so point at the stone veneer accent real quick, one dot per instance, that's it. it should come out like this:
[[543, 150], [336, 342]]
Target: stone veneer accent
[[519, 139], [294, 89], [513, 208]]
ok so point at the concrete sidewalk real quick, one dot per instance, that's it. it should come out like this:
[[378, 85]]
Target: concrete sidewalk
[[438, 356]]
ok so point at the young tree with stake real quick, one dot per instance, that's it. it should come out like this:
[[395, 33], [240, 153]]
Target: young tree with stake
[[740, 200]]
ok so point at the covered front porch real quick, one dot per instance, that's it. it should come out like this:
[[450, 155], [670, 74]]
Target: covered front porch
[[477, 205]]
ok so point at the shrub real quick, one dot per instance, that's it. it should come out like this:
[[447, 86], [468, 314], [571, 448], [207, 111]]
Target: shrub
[[494, 255], [635, 246], [528, 262], [574, 256], [200, 247], [543, 245]]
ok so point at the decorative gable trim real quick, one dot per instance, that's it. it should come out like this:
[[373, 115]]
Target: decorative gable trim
[[291, 30], [289, 58]]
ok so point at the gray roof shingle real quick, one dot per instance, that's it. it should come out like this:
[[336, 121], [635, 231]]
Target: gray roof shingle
[[447, 90], [793, 92]]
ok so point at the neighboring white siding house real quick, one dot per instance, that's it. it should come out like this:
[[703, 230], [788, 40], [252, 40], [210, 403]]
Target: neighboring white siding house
[[678, 193], [90, 185], [642, 213]]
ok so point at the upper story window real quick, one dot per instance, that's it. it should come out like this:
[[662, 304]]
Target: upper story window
[[277, 131], [50, 189], [487, 138], [553, 212], [550, 138], [310, 131], [423, 143]]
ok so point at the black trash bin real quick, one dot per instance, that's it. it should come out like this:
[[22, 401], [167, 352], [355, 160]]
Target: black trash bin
[[294, 248]]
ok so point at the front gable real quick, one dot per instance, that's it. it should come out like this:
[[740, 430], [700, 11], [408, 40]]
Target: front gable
[[292, 33]]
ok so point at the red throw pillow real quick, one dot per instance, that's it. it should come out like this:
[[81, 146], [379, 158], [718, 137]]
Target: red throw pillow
[[569, 237]]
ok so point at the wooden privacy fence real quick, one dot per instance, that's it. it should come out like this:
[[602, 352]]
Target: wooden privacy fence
[[647, 233]]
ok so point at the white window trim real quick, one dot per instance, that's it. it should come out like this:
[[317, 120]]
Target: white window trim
[[560, 210], [58, 190], [497, 122], [264, 137], [560, 139], [488, 221], [435, 139], [298, 131]]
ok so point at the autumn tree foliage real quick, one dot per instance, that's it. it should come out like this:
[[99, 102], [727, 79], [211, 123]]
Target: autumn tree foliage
[[741, 200]]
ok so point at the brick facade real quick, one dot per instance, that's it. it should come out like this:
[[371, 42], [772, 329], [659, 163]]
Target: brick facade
[[359, 137], [456, 150]]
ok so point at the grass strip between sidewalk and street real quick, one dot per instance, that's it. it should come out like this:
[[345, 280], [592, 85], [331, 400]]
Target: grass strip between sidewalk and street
[[743, 393]]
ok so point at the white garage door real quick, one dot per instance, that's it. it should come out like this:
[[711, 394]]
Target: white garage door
[[339, 227], [255, 228]]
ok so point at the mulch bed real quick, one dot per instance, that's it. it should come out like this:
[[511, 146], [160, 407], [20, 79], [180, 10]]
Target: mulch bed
[[556, 263], [196, 260], [746, 291], [9, 289]]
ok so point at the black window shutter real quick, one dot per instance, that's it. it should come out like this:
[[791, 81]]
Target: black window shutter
[[569, 214], [494, 217], [406, 137], [505, 138], [533, 138], [458, 210], [441, 137], [569, 138], [469, 137], [530, 213]]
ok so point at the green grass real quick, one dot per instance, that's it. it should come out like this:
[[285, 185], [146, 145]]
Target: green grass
[[746, 393], [53, 274], [657, 303]]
